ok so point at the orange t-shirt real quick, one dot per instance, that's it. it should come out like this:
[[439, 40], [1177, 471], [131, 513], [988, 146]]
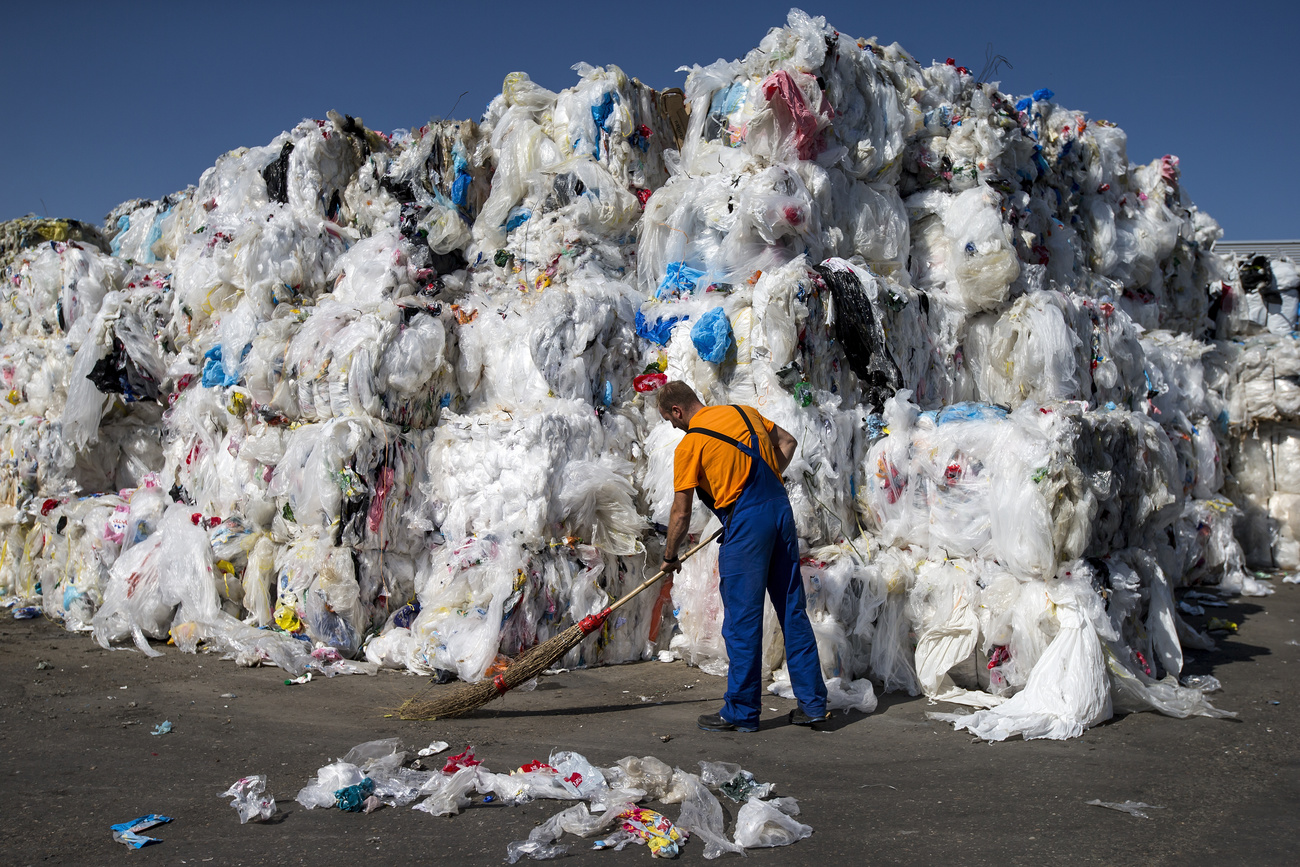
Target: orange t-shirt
[[720, 469]]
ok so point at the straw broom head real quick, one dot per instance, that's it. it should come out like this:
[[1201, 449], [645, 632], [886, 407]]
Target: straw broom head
[[464, 698]]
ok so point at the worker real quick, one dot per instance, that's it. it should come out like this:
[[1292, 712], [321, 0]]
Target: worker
[[733, 458]]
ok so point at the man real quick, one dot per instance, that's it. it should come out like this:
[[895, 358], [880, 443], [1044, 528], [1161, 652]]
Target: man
[[737, 472]]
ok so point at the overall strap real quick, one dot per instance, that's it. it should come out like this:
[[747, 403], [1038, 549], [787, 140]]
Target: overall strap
[[717, 436], [754, 451], [757, 463]]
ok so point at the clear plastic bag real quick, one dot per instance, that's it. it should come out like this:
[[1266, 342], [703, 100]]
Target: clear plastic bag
[[329, 779], [702, 817], [249, 799], [765, 824]]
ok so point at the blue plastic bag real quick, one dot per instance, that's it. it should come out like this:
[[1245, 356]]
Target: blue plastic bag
[[660, 332], [970, 411], [128, 833], [214, 370], [680, 278], [712, 336]]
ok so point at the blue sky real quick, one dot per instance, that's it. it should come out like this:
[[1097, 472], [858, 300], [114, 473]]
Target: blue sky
[[106, 102]]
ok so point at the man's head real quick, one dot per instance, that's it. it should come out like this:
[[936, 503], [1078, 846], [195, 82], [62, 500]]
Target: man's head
[[678, 402]]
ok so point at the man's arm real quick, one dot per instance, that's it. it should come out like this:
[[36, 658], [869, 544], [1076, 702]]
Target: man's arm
[[679, 521], [784, 444]]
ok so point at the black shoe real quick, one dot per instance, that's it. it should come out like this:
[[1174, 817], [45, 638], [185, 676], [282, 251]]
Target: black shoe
[[713, 722], [799, 718]]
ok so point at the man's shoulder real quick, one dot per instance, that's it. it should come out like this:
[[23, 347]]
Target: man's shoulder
[[723, 417], [753, 413], [705, 416]]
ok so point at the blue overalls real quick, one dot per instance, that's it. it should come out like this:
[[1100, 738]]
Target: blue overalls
[[760, 551]]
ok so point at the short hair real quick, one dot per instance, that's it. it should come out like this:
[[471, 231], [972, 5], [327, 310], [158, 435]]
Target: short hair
[[676, 393]]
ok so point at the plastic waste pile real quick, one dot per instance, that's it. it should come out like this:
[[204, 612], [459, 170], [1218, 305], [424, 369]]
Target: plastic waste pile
[[361, 400], [1260, 364], [377, 774]]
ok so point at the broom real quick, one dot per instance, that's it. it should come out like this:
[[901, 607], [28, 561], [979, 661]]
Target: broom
[[528, 665]]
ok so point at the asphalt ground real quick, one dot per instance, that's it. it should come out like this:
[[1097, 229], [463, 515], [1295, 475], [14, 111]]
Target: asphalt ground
[[77, 754]]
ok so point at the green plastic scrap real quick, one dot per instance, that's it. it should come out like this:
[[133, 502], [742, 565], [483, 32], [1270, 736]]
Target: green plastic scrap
[[350, 798], [803, 393]]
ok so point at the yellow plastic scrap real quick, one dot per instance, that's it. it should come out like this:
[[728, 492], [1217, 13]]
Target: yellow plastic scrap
[[659, 833], [287, 619], [226, 568], [1221, 623], [184, 635], [53, 230]]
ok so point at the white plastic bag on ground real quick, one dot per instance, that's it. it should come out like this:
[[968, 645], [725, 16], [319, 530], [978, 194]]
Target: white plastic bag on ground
[[765, 824]]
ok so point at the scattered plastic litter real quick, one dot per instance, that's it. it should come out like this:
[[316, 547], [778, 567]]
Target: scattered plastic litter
[[1133, 808], [129, 834], [162, 728], [1219, 624], [375, 774], [434, 748], [249, 800]]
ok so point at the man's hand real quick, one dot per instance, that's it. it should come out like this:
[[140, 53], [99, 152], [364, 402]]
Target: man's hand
[[670, 567]]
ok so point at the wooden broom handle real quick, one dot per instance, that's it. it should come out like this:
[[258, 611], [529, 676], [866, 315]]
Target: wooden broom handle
[[650, 581]]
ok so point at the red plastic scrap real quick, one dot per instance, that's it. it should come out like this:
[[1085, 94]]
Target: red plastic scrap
[[461, 760], [375, 516], [649, 382], [779, 88]]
